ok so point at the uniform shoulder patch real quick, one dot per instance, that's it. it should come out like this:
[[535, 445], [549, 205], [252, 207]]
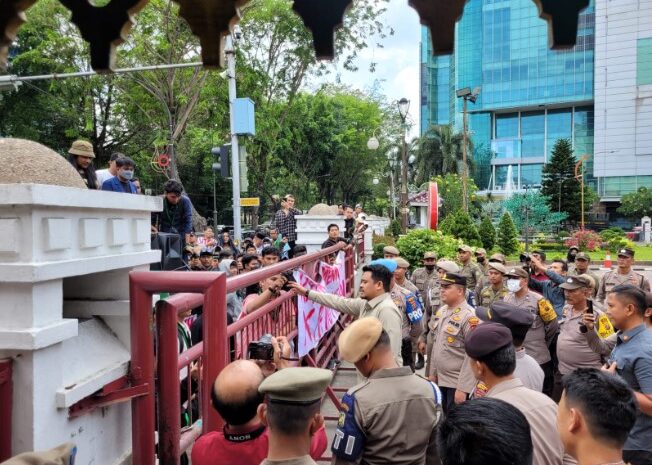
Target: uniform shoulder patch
[[474, 321], [546, 310]]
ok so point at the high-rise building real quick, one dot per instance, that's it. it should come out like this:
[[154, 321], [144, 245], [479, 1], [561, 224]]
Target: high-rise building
[[623, 98], [530, 95]]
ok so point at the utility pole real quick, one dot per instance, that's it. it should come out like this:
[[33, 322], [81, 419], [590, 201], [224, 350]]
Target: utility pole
[[464, 157], [403, 108], [229, 51]]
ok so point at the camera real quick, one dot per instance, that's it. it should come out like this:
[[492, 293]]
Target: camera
[[525, 257], [261, 349], [289, 278]]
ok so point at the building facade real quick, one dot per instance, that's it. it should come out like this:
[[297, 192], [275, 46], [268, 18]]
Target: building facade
[[623, 97], [530, 95]]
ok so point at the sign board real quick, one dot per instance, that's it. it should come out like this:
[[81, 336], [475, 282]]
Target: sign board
[[250, 202]]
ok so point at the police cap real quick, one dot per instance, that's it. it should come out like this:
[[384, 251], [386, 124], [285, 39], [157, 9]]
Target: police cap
[[359, 338], [517, 320], [390, 249], [296, 385], [487, 338], [453, 278]]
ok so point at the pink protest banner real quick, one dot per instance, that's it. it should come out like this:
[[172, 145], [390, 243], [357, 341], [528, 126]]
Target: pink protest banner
[[314, 320], [332, 276]]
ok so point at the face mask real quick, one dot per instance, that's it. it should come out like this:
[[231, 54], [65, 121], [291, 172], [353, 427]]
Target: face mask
[[514, 285], [127, 175], [480, 259]]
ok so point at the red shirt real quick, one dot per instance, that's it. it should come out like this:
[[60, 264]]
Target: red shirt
[[215, 449]]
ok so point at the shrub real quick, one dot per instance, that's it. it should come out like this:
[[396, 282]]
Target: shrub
[[507, 236], [611, 233], [394, 229], [616, 243], [413, 245], [378, 251], [562, 235], [460, 225], [585, 239], [487, 233]]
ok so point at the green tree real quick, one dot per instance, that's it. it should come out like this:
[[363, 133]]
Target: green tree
[[460, 225], [507, 236], [418, 241], [637, 204], [450, 192], [487, 233], [439, 151], [534, 207], [559, 185]]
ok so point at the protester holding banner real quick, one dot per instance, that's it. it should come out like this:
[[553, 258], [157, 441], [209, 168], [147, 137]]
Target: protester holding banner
[[374, 301]]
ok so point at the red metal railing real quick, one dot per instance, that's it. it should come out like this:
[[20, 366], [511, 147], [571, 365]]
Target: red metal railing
[[211, 355], [6, 399]]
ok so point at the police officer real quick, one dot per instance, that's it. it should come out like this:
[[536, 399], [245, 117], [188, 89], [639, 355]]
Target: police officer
[[410, 308], [449, 367], [428, 337], [496, 289], [391, 417], [544, 328], [573, 348], [426, 277], [623, 274], [400, 276], [582, 262], [291, 413], [469, 269], [390, 252]]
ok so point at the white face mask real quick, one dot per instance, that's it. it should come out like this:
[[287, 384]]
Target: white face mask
[[514, 285]]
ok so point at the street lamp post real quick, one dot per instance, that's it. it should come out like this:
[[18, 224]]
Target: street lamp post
[[466, 94], [403, 107]]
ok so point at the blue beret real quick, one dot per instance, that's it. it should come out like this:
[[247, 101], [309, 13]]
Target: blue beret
[[388, 263]]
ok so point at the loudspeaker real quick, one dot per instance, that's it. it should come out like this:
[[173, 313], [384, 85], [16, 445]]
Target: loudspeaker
[[170, 247]]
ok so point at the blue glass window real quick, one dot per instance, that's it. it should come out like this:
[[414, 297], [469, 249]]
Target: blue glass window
[[559, 127], [532, 134], [531, 175]]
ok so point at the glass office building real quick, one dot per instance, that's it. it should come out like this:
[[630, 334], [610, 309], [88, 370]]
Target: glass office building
[[530, 95]]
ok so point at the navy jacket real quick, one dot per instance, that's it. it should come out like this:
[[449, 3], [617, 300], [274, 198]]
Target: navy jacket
[[551, 290], [113, 184], [174, 219]]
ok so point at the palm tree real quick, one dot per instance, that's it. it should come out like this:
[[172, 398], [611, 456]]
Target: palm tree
[[440, 152]]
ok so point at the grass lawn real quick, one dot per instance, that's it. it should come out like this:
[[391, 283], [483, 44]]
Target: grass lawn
[[643, 253]]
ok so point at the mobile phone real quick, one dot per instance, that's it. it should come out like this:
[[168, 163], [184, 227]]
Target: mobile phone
[[590, 306]]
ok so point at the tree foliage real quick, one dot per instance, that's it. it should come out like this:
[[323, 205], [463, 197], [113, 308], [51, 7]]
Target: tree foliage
[[533, 207], [637, 204], [487, 233], [562, 190], [451, 192], [439, 153], [507, 236], [418, 241], [460, 225]]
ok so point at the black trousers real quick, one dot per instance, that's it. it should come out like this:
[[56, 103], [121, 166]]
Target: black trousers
[[637, 457], [447, 398], [548, 378]]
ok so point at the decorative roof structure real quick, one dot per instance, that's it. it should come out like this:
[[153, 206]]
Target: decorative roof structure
[[418, 198], [28, 162], [104, 28]]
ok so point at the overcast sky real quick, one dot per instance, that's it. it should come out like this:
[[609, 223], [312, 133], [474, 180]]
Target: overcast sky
[[397, 69]]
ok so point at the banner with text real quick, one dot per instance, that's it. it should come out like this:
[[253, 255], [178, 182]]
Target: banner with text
[[315, 320]]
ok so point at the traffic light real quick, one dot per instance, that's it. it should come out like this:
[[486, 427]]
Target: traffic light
[[222, 165]]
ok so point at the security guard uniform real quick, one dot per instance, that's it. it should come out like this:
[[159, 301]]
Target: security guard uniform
[[412, 315], [473, 274], [391, 417], [489, 295], [613, 278]]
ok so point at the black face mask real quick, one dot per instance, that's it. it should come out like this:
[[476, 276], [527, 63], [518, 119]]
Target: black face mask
[[430, 267], [480, 259]]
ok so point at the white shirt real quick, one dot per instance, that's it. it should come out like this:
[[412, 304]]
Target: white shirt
[[528, 371], [103, 175]]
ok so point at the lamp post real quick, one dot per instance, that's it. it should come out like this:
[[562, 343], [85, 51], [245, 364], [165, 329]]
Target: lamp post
[[466, 94], [391, 159], [403, 108]]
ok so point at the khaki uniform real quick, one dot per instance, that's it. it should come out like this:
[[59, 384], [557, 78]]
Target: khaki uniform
[[417, 329], [541, 414], [393, 416], [305, 460], [473, 275], [488, 296], [424, 281], [541, 333], [612, 279], [573, 349], [408, 330], [380, 307], [449, 362]]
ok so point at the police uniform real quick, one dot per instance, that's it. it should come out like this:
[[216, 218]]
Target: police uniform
[[488, 295], [473, 274], [613, 278], [412, 315], [391, 417], [295, 386], [450, 365], [539, 410]]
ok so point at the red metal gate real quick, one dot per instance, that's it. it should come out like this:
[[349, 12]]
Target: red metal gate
[[209, 289]]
